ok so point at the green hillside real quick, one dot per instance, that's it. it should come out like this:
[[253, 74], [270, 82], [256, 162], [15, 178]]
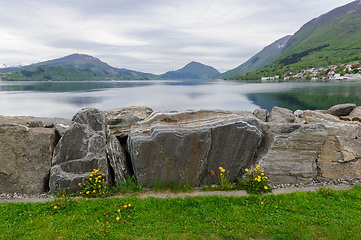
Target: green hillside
[[192, 70], [73, 67], [62, 73], [331, 39], [260, 60]]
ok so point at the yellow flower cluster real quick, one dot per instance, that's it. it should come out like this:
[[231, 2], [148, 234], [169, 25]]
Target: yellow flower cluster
[[95, 185]]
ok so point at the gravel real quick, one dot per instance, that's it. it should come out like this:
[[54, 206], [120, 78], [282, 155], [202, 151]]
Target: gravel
[[314, 183], [319, 183]]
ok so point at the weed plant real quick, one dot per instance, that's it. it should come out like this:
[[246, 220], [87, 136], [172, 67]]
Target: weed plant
[[257, 182], [94, 186]]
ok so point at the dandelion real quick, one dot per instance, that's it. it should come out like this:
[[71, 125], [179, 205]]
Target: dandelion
[[118, 218], [97, 221], [80, 193], [86, 199], [262, 203], [118, 210], [79, 184], [91, 175], [265, 187], [257, 167], [129, 205], [90, 179], [87, 192], [125, 206], [196, 194], [246, 170], [55, 207]]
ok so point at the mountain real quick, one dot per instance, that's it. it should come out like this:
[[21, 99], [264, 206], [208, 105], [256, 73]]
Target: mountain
[[76, 64], [333, 38], [84, 67], [193, 70], [260, 60]]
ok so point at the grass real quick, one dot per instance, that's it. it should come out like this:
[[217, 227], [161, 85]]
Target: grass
[[326, 214]]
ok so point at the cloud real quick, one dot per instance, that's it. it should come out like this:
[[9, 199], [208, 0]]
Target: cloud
[[150, 35]]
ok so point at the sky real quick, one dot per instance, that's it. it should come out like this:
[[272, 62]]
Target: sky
[[153, 36]]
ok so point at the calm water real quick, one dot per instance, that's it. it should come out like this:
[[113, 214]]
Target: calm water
[[64, 99]]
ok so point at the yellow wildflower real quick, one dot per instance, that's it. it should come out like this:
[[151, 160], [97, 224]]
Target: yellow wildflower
[[79, 184], [262, 203], [262, 174], [118, 210], [79, 192], [97, 221], [91, 175], [99, 186], [257, 167], [87, 192], [93, 191], [125, 206], [86, 199], [246, 170], [90, 179], [55, 207], [129, 205], [118, 218], [265, 187]]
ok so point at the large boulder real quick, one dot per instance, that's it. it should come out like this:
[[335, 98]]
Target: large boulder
[[341, 154], [174, 147], [281, 115], [119, 121], [288, 152], [81, 149], [25, 155], [341, 109]]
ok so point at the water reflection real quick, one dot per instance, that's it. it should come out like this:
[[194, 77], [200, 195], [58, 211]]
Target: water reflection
[[64, 99], [309, 96]]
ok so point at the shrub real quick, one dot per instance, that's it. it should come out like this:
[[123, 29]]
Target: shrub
[[257, 182], [94, 186]]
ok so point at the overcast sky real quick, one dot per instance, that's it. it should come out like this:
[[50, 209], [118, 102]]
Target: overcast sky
[[150, 35]]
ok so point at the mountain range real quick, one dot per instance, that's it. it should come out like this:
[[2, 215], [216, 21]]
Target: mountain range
[[85, 67], [333, 38]]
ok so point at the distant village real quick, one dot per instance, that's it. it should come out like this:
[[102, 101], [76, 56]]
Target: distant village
[[350, 72]]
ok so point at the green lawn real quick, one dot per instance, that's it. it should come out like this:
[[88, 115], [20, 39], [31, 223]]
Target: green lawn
[[326, 214]]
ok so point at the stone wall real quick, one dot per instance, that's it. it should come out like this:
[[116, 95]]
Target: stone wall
[[37, 154]]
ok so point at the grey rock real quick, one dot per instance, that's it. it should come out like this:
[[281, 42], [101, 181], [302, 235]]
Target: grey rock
[[318, 117], [341, 153], [261, 114], [119, 121], [25, 157], [298, 113], [61, 128], [288, 152], [341, 109], [174, 147], [81, 149], [281, 115], [356, 113], [118, 160]]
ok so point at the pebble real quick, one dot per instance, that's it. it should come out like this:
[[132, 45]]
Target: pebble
[[314, 183]]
